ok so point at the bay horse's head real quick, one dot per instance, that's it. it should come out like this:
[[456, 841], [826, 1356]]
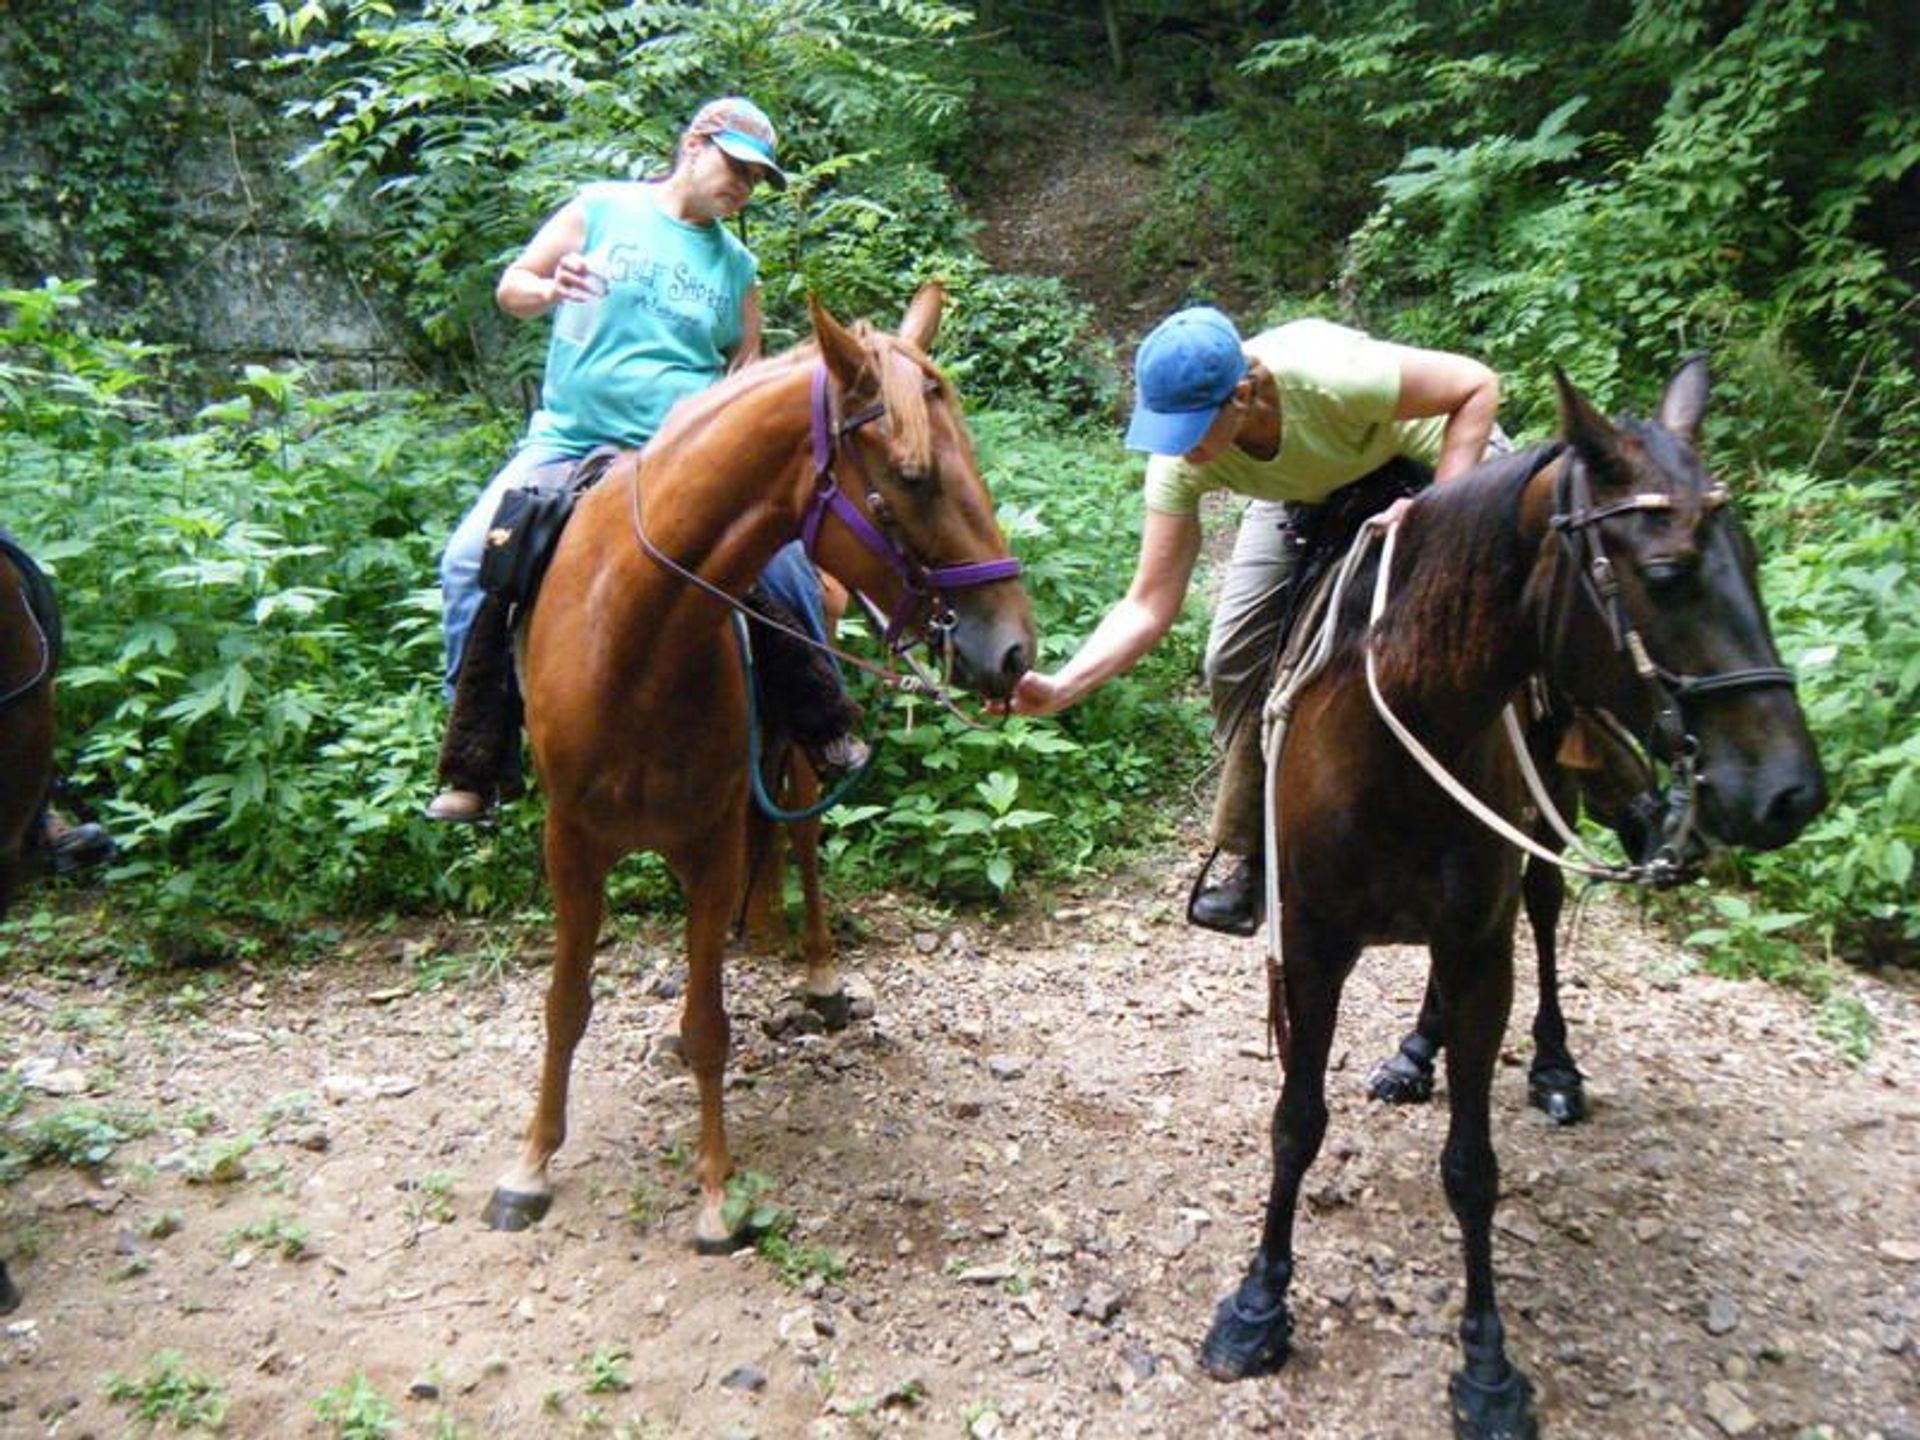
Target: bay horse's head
[[919, 537], [1663, 581]]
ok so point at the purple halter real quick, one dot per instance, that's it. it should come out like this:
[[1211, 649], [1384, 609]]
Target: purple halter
[[922, 585]]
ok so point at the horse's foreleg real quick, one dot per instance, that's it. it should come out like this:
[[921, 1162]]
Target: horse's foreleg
[[1252, 1327], [711, 882], [1491, 1399], [1406, 1076], [1554, 1082], [577, 870]]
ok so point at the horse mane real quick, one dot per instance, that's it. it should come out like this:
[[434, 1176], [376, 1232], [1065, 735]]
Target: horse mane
[[899, 369], [1457, 561]]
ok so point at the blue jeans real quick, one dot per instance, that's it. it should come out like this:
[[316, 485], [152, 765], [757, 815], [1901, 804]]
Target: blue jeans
[[789, 575]]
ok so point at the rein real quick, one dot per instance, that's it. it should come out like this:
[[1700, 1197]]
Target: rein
[[924, 586]]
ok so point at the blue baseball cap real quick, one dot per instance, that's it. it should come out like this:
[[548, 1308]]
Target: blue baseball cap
[[741, 129], [1185, 371]]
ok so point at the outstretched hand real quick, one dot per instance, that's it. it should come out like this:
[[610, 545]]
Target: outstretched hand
[[1036, 694]]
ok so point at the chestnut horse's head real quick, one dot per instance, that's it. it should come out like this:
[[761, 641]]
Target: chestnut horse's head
[[921, 541], [1663, 578]]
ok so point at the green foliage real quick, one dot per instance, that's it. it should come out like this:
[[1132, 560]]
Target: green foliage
[[278, 1234], [83, 1136], [106, 100], [170, 1393], [606, 1370], [1842, 582], [447, 133], [356, 1410], [963, 811]]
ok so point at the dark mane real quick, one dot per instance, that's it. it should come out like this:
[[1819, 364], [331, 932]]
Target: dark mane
[[1455, 555]]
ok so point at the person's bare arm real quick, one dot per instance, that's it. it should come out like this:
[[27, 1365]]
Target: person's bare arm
[[551, 268], [1438, 382], [1169, 546], [748, 349]]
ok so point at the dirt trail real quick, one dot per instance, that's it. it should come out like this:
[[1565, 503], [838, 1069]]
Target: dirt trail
[[1043, 1160]]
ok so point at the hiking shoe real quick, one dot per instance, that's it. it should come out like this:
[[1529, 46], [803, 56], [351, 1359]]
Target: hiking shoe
[[73, 847], [459, 807], [1234, 904]]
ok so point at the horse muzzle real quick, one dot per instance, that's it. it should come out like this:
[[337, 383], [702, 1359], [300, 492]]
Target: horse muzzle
[[989, 652]]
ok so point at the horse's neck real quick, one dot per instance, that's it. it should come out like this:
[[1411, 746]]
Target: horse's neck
[[731, 492], [1459, 639]]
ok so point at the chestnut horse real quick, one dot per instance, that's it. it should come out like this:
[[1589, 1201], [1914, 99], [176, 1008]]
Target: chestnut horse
[[635, 701], [1613, 568], [29, 652]]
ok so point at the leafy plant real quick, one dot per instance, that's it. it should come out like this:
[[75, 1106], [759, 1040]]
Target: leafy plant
[[169, 1393], [276, 1233], [356, 1410], [606, 1369]]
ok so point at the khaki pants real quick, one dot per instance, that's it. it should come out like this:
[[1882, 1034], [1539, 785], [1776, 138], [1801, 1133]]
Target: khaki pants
[[1239, 663]]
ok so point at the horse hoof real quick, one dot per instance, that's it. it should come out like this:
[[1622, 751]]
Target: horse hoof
[[1560, 1095], [1400, 1081], [729, 1244], [1492, 1412], [514, 1209], [1247, 1340], [9, 1295], [835, 1010]]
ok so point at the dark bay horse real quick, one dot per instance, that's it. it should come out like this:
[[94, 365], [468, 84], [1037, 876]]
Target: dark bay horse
[[1618, 571], [1589, 763], [29, 653], [634, 690]]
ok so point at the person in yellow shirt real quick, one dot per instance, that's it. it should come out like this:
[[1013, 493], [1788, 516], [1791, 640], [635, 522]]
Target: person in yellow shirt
[[1286, 418]]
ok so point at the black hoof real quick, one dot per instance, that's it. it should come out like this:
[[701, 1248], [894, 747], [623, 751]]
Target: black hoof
[[1492, 1412], [835, 1010], [724, 1244], [9, 1296], [512, 1210], [1252, 1334], [1401, 1080], [1560, 1093]]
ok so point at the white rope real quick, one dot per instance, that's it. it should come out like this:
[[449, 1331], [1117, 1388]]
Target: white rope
[[1464, 797]]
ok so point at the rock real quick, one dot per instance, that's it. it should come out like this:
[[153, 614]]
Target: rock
[[744, 1377], [423, 1389], [1101, 1302], [1723, 1315], [1907, 1252], [1006, 1067], [1728, 1410]]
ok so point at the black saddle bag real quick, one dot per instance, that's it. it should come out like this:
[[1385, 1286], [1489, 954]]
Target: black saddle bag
[[528, 523]]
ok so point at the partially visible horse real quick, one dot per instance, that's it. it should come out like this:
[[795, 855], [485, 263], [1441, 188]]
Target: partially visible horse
[[29, 654], [634, 689], [1615, 568]]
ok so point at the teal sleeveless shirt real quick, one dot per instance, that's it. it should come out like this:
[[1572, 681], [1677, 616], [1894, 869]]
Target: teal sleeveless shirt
[[662, 331]]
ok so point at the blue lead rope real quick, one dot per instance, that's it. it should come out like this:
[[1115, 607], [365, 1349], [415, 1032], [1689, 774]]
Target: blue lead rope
[[761, 799]]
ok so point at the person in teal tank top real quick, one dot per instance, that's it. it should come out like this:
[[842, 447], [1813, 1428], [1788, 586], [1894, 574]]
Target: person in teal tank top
[[1289, 416], [653, 299]]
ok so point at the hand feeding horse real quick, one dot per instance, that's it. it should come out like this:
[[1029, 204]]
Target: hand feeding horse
[[634, 690], [29, 654], [1614, 567]]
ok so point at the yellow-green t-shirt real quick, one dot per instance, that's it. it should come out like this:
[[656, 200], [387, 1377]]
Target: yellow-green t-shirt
[[1338, 392]]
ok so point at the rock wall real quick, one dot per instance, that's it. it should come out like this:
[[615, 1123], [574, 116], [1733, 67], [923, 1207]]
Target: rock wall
[[178, 139]]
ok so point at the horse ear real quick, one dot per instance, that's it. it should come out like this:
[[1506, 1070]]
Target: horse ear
[[1584, 427], [922, 320], [838, 347], [1686, 399]]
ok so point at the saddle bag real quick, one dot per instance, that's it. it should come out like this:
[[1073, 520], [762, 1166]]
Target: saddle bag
[[528, 524]]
